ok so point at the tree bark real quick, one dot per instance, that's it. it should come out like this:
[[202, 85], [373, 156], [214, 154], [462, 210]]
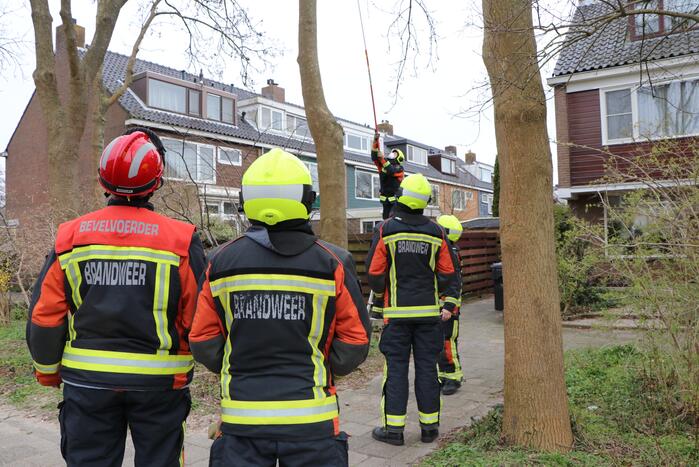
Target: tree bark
[[536, 406], [326, 131]]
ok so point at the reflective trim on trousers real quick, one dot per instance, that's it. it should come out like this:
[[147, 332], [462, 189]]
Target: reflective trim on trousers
[[126, 362], [279, 412], [395, 420], [411, 311], [428, 418]]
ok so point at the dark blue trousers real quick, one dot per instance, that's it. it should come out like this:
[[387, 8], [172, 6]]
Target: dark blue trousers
[[94, 424]]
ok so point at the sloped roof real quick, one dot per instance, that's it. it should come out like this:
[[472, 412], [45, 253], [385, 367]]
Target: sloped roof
[[115, 68], [611, 45]]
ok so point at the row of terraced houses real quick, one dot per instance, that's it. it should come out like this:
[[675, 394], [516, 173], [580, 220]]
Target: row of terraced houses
[[213, 131]]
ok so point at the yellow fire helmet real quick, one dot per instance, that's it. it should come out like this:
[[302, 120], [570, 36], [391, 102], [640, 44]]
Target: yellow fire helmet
[[399, 156], [452, 225], [415, 192], [277, 187]]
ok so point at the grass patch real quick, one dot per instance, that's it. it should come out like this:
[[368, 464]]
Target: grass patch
[[616, 421], [17, 383]]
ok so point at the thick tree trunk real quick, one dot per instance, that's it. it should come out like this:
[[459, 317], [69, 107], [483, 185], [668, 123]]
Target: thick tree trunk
[[327, 133], [536, 406]]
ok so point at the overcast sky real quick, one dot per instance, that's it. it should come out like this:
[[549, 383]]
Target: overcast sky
[[433, 99]]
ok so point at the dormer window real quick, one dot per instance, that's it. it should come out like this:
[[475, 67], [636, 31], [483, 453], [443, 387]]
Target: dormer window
[[448, 166], [356, 142], [297, 126], [219, 108], [167, 96], [271, 119], [417, 155], [652, 25]]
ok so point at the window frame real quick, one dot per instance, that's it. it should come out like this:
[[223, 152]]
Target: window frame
[[363, 139], [663, 28], [466, 198], [219, 203], [293, 132], [374, 221], [187, 96], [635, 112], [310, 163], [434, 202], [197, 177], [282, 120], [410, 156], [451, 163], [371, 175], [227, 161]]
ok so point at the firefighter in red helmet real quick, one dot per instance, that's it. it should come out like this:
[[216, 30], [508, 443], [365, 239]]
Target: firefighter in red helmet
[[110, 316]]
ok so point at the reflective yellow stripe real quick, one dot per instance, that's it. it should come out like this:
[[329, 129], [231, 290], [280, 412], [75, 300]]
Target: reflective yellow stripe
[[160, 304], [75, 280], [393, 282], [85, 253], [316, 332], [458, 374], [227, 348], [428, 418], [286, 282], [433, 267], [279, 412], [125, 362], [411, 311], [415, 237], [71, 327], [453, 300], [184, 433], [395, 420], [46, 369], [383, 393]]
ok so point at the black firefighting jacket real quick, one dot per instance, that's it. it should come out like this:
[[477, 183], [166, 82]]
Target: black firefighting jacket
[[115, 300], [390, 176], [408, 254], [280, 312]]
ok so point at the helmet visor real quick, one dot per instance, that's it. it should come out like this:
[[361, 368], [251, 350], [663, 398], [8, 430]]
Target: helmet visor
[[392, 155]]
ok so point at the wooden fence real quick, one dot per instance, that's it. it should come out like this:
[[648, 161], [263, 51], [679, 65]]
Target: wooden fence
[[478, 249]]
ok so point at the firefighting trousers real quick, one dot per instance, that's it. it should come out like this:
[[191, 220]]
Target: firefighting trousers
[[388, 207], [94, 423], [240, 451], [449, 363], [425, 341]]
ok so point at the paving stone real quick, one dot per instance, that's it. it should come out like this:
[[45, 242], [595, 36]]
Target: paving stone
[[34, 441]]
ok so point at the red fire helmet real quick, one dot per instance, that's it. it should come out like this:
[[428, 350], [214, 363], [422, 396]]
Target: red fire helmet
[[131, 165]]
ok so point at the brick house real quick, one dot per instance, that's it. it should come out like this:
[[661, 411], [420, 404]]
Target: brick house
[[213, 131], [623, 91]]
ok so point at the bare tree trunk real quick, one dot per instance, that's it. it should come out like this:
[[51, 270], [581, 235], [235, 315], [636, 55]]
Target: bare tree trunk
[[327, 133], [536, 406]]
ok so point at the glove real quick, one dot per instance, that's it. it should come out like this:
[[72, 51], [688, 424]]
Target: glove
[[51, 380], [375, 143], [377, 307]]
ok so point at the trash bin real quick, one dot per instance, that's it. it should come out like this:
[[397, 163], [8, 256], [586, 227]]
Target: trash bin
[[497, 286]]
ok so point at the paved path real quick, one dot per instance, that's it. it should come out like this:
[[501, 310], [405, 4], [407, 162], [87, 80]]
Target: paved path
[[26, 441]]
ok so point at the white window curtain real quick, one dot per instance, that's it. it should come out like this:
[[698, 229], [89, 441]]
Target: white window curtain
[[669, 110]]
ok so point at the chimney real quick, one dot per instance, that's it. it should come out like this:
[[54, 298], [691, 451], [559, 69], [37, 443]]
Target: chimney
[[79, 36], [273, 91], [450, 150], [385, 127], [470, 157]]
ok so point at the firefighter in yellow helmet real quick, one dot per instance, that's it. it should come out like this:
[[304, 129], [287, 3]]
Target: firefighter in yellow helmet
[[410, 266], [280, 313], [450, 373]]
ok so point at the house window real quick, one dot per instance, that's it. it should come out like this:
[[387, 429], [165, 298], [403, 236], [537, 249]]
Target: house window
[[487, 201], [366, 185], [356, 142], [189, 161], [618, 116], [669, 110], [434, 200], [221, 208], [313, 168], [458, 198], [647, 24], [448, 166], [219, 108], [271, 119], [417, 155], [230, 156], [167, 96], [650, 25], [297, 127], [486, 175], [194, 102], [368, 226]]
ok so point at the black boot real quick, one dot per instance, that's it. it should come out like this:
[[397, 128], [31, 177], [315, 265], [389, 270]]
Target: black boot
[[391, 437], [427, 436], [450, 386]]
